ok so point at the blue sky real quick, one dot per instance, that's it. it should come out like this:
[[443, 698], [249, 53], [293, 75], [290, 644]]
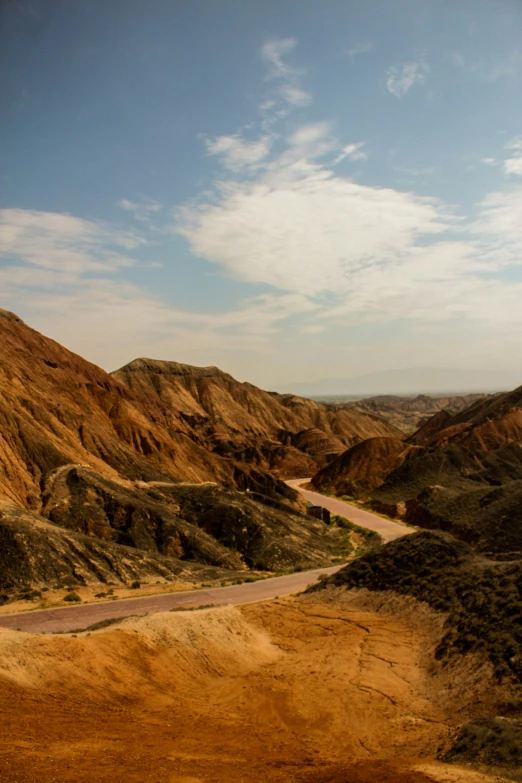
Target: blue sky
[[289, 190]]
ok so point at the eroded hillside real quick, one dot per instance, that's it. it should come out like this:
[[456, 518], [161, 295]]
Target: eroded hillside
[[459, 472]]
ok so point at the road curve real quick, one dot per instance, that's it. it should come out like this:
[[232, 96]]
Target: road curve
[[386, 528], [70, 618]]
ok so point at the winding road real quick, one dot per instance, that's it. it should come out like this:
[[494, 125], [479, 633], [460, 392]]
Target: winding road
[[387, 528], [70, 618]]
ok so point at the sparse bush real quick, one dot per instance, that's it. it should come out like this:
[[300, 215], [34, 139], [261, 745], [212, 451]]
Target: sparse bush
[[100, 595], [72, 597], [136, 585], [4, 599], [482, 599]]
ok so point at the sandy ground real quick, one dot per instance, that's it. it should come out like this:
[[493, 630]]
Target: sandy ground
[[297, 690]]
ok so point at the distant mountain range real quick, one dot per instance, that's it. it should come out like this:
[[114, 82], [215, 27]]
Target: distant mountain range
[[412, 380]]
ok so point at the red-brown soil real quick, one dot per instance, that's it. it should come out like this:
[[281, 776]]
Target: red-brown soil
[[363, 467], [293, 691]]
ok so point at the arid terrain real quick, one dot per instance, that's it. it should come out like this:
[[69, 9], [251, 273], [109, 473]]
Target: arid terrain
[[404, 665], [459, 472], [160, 471], [310, 690]]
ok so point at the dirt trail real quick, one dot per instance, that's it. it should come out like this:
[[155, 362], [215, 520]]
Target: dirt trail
[[295, 691]]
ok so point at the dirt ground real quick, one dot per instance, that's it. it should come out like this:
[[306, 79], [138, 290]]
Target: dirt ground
[[297, 690]]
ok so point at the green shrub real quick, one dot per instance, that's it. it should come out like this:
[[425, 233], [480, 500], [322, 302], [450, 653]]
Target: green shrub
[[72, 597]]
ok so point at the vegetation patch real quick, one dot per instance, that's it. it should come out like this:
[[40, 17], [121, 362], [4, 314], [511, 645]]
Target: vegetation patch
[[483, 599]]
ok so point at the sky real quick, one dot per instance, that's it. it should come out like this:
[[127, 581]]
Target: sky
[[289, 189]]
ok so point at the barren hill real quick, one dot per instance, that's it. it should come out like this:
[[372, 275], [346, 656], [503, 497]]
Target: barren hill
[[459, 472], [150, 421], [280, 432], [91, 465], [363, 467]]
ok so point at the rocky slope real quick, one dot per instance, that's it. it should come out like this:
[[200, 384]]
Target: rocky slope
[[151, 421], [461, 473], [97, 529], [362, 468], [99, 458], [282, 433]]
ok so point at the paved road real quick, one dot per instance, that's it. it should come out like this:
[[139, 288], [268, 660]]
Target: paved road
[[388, 529], [72, 618]]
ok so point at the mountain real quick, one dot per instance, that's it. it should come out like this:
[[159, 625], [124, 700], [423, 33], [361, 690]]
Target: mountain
[[159, 469], [409, 413], [460, 472], [152, 421], [412, 380], [281, 433]]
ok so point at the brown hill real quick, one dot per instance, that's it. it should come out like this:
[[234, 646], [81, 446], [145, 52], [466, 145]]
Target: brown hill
[[288, 435], [486, 424], [363, 467], [93, 528], [92, 456], [152, 421], [461, 473]]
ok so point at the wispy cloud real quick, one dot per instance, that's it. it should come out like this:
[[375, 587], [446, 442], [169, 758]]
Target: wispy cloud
[[287, 77], [489, 69], [64, 243], [236, 153], [359, 48], [353, 152], [513, 163], [142, 210], [401, 78]]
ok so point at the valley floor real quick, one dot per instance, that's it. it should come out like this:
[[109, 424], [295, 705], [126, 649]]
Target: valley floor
[[300, 690]]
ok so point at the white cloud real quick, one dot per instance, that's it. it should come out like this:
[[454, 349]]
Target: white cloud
[[300, 228], [513, 164], [286, 76], [142, 210], [362, 47], [64, 243], [489, 161], [273, 53], [295, 96], [353, 152], [400, 79], [237, 154]]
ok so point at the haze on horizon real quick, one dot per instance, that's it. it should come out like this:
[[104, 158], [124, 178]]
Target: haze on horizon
[[292, 192]]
